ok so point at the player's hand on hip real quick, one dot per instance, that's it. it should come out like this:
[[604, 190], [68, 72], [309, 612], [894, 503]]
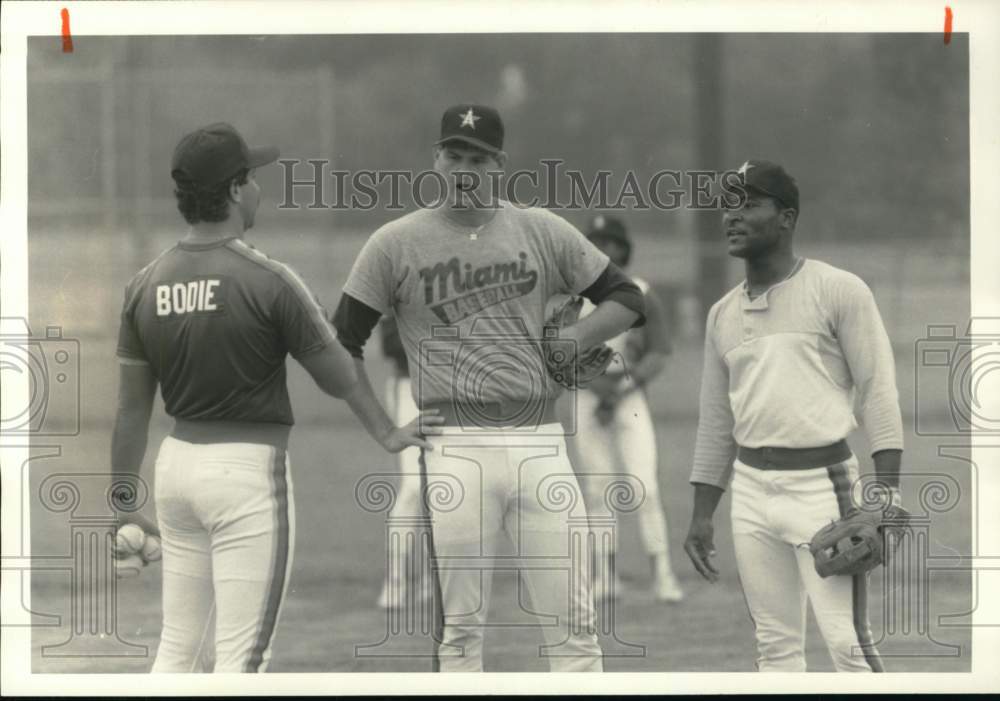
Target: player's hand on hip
[[427, 423], [700, 548]]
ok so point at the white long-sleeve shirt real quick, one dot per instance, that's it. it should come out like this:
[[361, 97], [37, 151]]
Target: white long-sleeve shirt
[[782, 370]]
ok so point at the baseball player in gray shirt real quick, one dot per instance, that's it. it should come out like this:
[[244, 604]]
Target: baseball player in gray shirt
[[468, 286]]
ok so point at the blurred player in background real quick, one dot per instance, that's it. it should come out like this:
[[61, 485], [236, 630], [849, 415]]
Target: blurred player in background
[[785, 353], [211, 321], [472, 276], [615, 432], [399, 404]]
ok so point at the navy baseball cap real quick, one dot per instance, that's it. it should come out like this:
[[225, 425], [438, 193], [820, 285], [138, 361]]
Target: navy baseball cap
[[770, 179], [606, 227], [208, 156], [477, 125]]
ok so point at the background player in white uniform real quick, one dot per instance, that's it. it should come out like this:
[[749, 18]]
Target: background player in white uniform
[[211, 321], [785, 353], [402, 409], [615, 432], [468, 282]]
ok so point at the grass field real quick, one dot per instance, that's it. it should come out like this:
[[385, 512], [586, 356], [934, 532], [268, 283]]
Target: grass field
[[340, 555], [80, 262], [340, 551]]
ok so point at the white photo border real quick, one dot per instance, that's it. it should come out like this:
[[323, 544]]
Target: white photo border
[[980, 19]]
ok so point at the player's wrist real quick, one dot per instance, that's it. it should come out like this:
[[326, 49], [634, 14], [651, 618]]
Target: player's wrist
[[615, 377], [894, 497], [886, 497], [631, 380], [703, 513], [384, 436]]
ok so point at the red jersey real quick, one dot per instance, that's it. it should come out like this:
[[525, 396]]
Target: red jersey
[[215, 321]]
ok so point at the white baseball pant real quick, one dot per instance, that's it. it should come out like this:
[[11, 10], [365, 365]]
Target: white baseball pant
[[775, 514], [480, 485], [227, 518], [626, 445]]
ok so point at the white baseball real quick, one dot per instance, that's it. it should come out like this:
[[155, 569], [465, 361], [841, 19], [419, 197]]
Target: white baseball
[[129, 539], [129, 567], [151, 551]]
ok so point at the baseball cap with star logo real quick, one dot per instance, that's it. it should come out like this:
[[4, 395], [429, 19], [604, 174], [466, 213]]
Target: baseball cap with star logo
[[770, 179], [477, 125]]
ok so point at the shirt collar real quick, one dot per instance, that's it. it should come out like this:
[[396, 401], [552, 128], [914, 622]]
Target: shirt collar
[[760, 302], [190, 245]]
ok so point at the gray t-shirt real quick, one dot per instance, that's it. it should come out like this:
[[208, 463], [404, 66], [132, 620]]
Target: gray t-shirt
[[470, 303]]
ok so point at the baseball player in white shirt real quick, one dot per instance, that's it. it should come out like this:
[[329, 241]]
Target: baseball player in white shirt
[[615, 432], [787, 352]]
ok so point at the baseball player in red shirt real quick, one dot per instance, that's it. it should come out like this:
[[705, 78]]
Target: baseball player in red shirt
[[210, 321]]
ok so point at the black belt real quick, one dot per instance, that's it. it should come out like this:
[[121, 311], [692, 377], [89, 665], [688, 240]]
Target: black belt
[[525, 413], [794, 458], [232, 432]]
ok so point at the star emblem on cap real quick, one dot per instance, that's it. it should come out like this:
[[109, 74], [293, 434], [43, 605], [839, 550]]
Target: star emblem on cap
[[469, 119], [743, 168]]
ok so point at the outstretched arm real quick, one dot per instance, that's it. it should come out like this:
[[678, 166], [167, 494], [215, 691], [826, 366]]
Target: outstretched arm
[[332, 370], [340, 376], [354, 322], [393, 438]]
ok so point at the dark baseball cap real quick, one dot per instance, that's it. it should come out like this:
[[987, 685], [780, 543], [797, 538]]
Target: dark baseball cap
[[477, 125], [770, 179], [208, 156], [607, 227]]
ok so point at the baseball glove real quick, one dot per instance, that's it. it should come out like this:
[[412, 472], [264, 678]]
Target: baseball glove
[[565, 365], [858, 542]]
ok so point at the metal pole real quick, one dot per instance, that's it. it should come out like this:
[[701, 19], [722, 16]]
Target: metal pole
[[324, 89], [109, 151], [709, 155]]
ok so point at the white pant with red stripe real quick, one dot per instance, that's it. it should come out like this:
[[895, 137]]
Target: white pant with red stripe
[[775, 514], [227, 518]]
